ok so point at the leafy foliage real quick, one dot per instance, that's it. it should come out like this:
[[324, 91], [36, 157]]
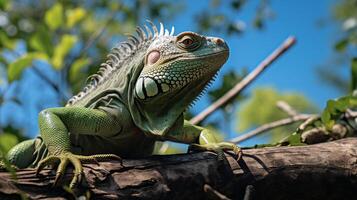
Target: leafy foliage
[[7, 141], [336, 108], [16, 68]]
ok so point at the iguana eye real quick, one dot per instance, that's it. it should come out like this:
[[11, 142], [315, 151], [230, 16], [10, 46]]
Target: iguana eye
[[188, 41], [153, 57]]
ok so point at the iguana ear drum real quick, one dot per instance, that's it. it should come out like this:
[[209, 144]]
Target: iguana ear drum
[[153, 57], [146, 87]]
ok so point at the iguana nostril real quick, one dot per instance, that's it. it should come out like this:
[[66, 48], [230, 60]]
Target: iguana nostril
[[219, 41]]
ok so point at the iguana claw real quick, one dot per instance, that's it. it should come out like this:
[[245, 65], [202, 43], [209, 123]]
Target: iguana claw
[[218, 148], [64, 159]]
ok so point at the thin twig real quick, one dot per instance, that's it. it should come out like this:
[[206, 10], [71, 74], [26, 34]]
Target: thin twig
[[309, 121], [271, 125], [245, 82], [284, 106]]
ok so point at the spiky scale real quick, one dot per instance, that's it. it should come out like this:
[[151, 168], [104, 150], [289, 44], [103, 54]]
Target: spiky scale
[[134, 39], [162, 29], [154, 28], [172, 31], [141, 33]]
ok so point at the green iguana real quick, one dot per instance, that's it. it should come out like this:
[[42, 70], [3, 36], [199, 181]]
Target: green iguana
[[137, 97]]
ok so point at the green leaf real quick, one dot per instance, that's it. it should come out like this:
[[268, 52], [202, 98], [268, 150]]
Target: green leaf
[[62, 49], [6, 41], [16, 68], [7, 141], [76, 68], [325, 117], [354, 74], [341, 105], [54, 16], [352, 103], [3, 4], [341, 45], [294, 139], [74, 16], [41, 41], [331, 107]]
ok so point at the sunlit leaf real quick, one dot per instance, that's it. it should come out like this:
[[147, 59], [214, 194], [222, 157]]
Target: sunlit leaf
[[6, 41], [4, 4], [62, 49], [16, 68], [325, 117], [74, 16], [76, 68], [331, 104], [54, 16], [294, 139], [352, 102], [7, 141], [342, 104]]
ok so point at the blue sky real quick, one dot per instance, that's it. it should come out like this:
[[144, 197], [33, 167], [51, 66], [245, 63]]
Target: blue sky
[[295, 71]]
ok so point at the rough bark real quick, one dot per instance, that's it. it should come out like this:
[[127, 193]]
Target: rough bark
[[322, 171]]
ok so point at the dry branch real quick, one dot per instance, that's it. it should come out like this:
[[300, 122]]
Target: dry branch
[[322, 171]]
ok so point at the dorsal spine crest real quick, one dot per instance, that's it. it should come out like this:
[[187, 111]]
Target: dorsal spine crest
[[118, 55]]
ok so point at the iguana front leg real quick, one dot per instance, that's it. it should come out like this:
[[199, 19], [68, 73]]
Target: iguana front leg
[[55, 125], [202, 139]]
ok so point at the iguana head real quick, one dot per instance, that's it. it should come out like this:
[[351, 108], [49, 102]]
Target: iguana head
[[156, 75], [178, 68]]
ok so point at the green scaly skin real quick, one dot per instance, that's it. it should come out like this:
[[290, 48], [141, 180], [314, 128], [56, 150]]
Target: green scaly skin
[[138, 97]]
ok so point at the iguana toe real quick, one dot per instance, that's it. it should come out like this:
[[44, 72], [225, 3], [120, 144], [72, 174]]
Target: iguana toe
[[66, 158]]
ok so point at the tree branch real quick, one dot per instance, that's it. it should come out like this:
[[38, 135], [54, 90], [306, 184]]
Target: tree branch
[[323, 171], [245, 82], [271, 125], [284, 106]]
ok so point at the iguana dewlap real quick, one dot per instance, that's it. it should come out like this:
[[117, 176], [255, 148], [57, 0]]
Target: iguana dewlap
[[137, 97]]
